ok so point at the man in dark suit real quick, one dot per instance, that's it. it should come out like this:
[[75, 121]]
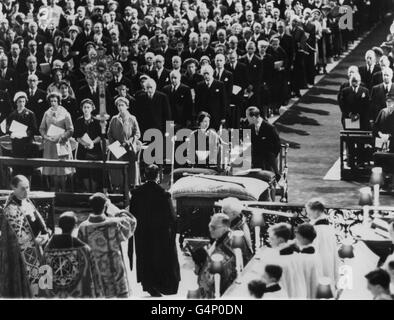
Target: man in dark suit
[[367, 71], [5, 106], [265, 140], [118, 77], [279, 88], [47, 58], [91, 91], [84, 37], [16, 61], [8, 76], [240, 76], [354, 103], [33, 34], [165, 51], [380, 92], [206, 48], [192, 51], [224, 75], [266, 80], [31, 63], [377, 77], [253, 65], [286, 43], [211, 97], [152, 108], [161, 75], [36, 98], [183, 32], [180, 99]]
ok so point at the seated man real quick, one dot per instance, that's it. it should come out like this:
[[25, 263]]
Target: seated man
[[219, 227], [272, 276], [74, 271], [305, 235], [233, 207], [104, 236], [265, 140], [379, 284]]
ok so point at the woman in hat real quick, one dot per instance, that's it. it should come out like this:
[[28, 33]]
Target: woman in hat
[[65, 53], [68, 102], [205, 143], [57, 145], [124, 128], [22, 139], [88, 134], [57, 79]]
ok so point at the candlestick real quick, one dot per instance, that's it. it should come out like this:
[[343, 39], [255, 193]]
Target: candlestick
[[217, 285], [365, 201], [377, 181], [324, 290], [257, 238], [239, 264]]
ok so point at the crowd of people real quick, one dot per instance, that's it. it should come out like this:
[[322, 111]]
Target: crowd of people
[[87, 260], [366, 101], [167, 61]]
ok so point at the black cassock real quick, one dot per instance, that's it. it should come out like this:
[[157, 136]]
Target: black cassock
[[155, 245]]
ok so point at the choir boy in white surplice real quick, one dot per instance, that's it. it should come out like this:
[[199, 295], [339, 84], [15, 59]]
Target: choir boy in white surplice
[[284, 253], [273, 290], [310, 260], [325, 242]]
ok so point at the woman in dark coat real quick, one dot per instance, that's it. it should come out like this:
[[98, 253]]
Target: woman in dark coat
[[205, 143], [88, 150], [22, 142], [155, 245]]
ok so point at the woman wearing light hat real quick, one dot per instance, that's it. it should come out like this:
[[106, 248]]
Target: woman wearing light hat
[[88, 127], [22, 140], [57, 146], [124, 128]]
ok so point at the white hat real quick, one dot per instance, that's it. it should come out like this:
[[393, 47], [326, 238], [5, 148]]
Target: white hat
[[20, 94]]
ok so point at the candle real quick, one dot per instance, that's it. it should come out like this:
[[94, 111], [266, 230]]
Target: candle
[[216, 268]]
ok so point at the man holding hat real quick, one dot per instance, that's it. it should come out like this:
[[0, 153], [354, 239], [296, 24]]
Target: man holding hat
[[36, 97], [22, 140]]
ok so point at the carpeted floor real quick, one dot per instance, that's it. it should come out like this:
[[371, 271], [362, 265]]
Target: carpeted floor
[[312, 127]]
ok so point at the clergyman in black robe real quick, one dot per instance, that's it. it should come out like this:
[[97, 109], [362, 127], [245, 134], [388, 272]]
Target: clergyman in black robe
[[155, 244]]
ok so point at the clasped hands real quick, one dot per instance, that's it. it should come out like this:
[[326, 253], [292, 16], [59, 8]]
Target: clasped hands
[[354, 116], [56, 139]]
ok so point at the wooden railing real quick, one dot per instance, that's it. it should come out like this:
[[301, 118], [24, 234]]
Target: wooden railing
[[78, 164]]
